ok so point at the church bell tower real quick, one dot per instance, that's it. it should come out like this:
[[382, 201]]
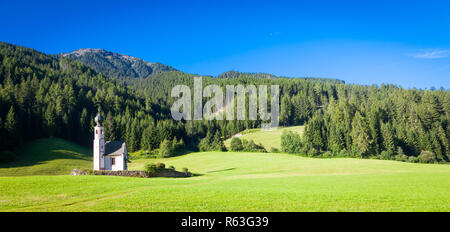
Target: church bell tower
[[99, 144]]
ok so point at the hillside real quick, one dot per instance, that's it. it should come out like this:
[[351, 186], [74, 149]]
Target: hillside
[[268, 139], [235, 74], [46, 96], [42, 96], [116, 65], [48, 157], [242, 182]]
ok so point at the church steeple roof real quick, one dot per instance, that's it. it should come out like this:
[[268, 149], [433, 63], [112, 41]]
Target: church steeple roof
[[98, 119]]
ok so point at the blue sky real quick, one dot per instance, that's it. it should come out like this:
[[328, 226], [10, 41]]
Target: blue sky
[[401, 42]]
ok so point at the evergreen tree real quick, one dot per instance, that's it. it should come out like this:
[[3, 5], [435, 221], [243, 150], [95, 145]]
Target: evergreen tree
[[217, 143], [146, 140], [315, 132], [236, 144], [360, 135], [388, 138], [166, 148], [13, 137]]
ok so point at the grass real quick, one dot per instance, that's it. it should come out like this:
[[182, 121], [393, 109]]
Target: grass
[[242, 181], [268, 139], [48, 157]]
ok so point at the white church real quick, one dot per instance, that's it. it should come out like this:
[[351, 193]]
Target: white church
[[111, 155]]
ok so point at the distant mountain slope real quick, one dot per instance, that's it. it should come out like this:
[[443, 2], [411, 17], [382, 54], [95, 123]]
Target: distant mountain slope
[[235, 74], [116, 65]]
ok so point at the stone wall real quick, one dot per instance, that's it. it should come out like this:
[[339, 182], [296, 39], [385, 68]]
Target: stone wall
[[165, 172]]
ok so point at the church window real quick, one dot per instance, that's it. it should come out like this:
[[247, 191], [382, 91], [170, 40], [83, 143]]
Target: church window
[[113, 161]]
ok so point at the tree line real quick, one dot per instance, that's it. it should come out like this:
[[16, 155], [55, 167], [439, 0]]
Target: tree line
[[49, 96], [387, 122]]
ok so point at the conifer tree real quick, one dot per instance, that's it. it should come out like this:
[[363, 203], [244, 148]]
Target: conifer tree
[[360, 134], [388, 138]]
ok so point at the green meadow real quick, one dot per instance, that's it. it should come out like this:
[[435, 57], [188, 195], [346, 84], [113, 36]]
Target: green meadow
[[268, 139], [226, 181]]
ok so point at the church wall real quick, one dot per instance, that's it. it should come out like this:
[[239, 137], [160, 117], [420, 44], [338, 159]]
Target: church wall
[[108, 163], [119, 163]]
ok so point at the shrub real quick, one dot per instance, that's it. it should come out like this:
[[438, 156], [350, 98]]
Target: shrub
[[186, 172], [160, 165], [251, 146], [355, 153], [328, 154], [412, 159], [88, 171], [151, 168], [427, 157], [401, 157], [172, 168], [291, 142], [274, 150], [313, 152], [236, 144], [343, 153], [385, 155]]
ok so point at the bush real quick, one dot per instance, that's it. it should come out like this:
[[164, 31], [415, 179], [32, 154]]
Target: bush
[[291, 142], [401, 157], [251, 146], [274, 150], [427, 157], [160, 165], [343, 153], [88, 171], [328, 154], [186, 172], [385, 155], [313, 152], [412, 159], [151, 168], [236, 144], [355, 153], [172, 168]]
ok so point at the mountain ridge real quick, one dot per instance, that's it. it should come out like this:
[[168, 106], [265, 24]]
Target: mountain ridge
[[116, 65]]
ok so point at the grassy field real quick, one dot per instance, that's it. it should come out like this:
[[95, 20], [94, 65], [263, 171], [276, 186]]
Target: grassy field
[[48, 157], [231, 181], [268, 139]]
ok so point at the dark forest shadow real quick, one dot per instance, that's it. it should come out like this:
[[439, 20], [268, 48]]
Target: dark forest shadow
[[43, 150]]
